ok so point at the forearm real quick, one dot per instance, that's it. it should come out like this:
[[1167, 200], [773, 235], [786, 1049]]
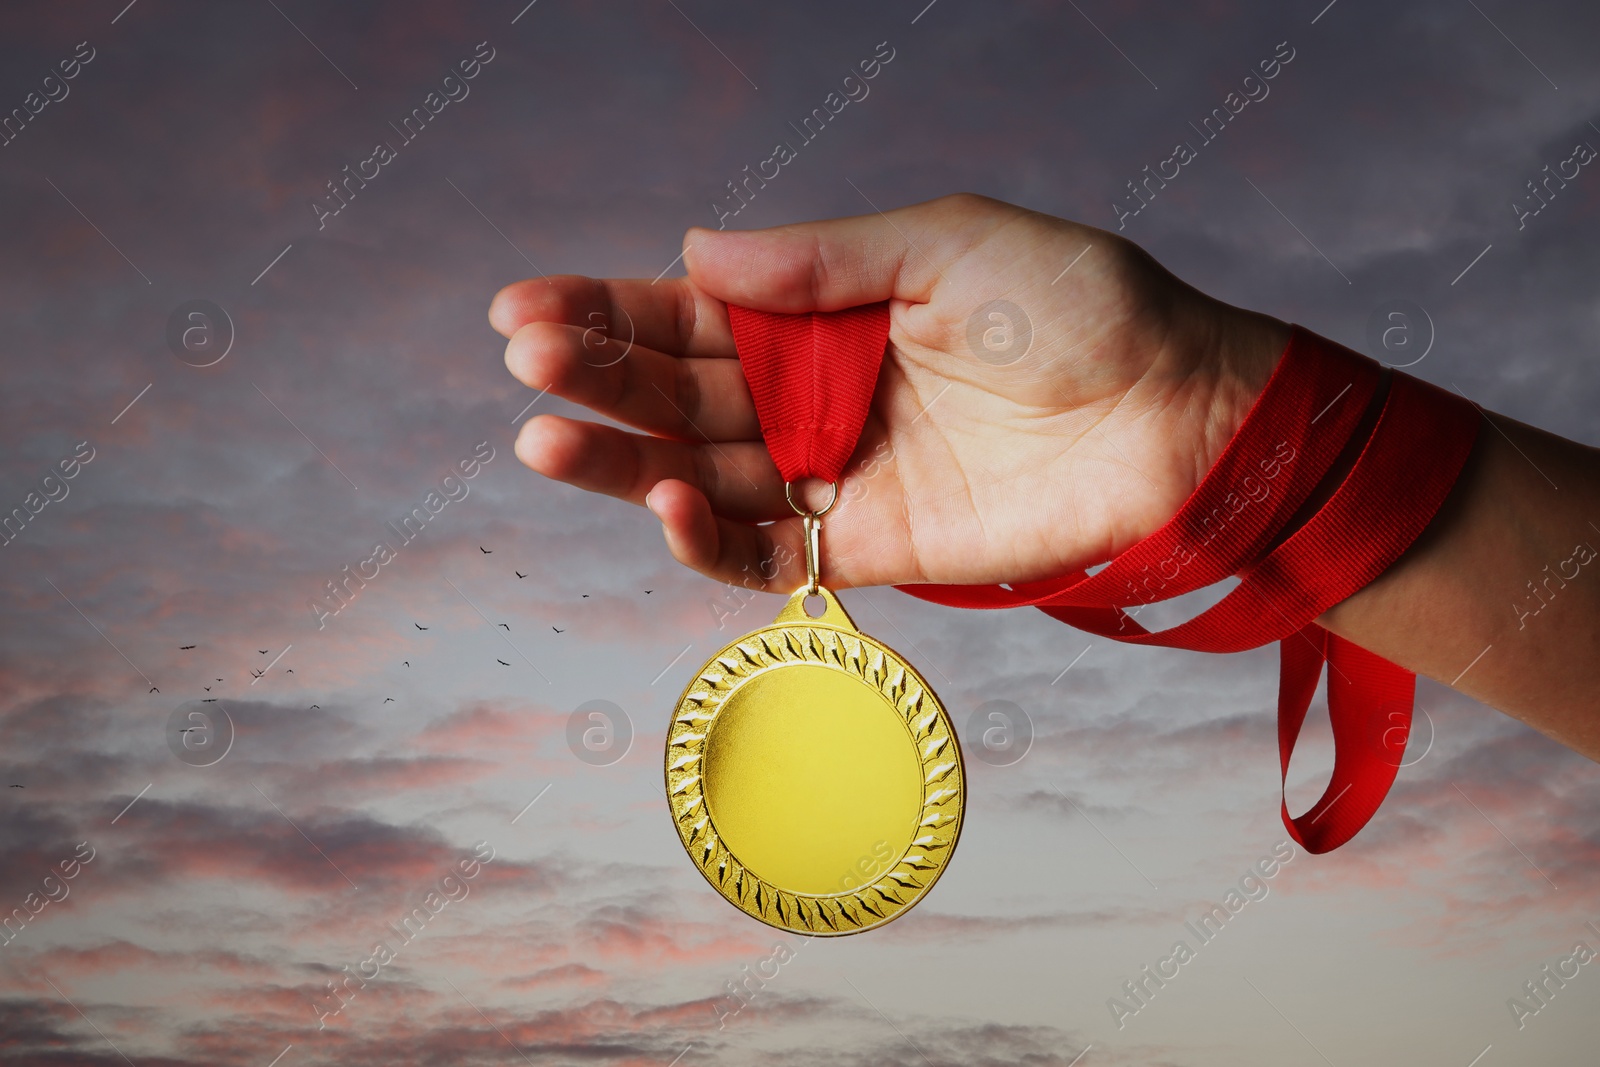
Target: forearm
[[1500, 597]]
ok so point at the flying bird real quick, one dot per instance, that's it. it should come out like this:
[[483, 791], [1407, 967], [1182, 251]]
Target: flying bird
[[315, 707], [502, 662], [153, 689], [407, 662], [219, 679], [207, 688], [17, 787], [263, 651], [419, 626], [584, 595], [190, 729], [388, 700], [257, 673], [289, 671], [486, 551], [518, 573], [184, 648], [209, 700], [558, 629], [647, 592], [508, 629]]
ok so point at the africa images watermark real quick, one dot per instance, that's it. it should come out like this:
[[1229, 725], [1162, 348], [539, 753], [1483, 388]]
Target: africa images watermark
[[1252, 887], [1251, 490], [1544, 191], [783, 153], [52, 489], [1581, 556], [55, 890], [741, 992], [52, 89], [452, 886], [342, 591], [1210, 128], [1540, 990], [383, 153]]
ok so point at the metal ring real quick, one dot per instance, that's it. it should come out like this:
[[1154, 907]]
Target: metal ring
[[788, 494]]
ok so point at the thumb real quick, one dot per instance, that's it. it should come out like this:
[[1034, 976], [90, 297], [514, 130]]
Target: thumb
[[840, 263]]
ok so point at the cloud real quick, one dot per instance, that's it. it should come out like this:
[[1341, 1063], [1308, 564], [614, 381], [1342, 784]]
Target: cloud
[[218, 505]]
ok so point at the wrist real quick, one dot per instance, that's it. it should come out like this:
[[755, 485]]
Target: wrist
[[1232, 353]]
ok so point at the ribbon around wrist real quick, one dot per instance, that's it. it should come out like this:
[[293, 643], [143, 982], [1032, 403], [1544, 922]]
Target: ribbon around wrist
[[812, 377], [1311, 409]]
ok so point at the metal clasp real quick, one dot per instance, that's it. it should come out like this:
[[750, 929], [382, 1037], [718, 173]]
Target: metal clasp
[[812, 521]]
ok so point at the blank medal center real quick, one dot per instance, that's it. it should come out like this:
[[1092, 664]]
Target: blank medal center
[[812, 779]]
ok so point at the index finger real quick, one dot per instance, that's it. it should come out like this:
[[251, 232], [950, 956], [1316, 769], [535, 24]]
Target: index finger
[[671, 315]]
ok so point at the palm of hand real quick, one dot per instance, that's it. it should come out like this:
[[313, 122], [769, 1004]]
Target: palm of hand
[[987, 462]]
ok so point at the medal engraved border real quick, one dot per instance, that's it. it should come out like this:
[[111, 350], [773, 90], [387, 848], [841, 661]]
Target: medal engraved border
[[943, 778]]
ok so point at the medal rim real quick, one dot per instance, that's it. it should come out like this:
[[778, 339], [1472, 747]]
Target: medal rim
[[892, 906]]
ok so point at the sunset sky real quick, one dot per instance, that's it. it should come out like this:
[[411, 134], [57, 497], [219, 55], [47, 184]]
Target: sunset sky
[[188, 158]]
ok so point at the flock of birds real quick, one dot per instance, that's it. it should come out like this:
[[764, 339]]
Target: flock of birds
[[260, 672], [257, 673]]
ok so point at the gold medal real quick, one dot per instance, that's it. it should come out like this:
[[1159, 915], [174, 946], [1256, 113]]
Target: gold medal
[[812, 773]]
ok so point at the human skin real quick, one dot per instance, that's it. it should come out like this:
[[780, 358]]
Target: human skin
[[1133, 385]]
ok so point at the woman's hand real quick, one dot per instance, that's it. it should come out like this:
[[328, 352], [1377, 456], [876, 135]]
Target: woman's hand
[[984, 463], [987, 457]]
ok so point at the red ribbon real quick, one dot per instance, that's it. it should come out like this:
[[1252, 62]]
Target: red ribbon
[[812, 377]]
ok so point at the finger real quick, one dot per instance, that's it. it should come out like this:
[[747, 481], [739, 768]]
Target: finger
[[737, 477], [671, 315], [689, 399], [838, 263], [769, 558]]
